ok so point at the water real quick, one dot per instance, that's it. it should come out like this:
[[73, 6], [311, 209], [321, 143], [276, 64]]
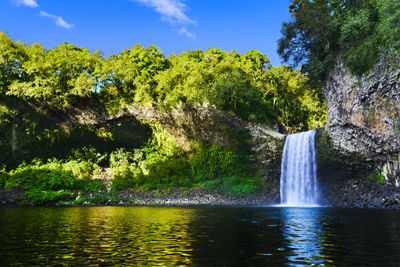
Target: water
[[299, 185], [198, 236]]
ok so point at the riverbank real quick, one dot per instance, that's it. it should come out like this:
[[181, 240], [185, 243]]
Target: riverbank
[[362, 193], [138, 197], [353, 193]]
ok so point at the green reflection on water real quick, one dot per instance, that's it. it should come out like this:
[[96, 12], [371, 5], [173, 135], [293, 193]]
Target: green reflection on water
[[198, 236], [95, 235]]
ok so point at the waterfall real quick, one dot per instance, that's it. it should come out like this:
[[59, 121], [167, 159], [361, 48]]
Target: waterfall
[[299, 170]]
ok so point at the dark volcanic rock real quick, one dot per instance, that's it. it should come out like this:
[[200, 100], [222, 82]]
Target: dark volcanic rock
[[359, 150], [362, 193], [364, 115]]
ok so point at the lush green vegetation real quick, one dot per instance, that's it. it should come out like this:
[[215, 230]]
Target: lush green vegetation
[[54, 180], [359, 31], [52, 155], [246, 84]]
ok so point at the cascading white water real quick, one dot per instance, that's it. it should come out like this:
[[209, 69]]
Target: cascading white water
[[299, 185]]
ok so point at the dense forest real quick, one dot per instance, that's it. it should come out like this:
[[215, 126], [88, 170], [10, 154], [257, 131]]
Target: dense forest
[[51, 152], [359, 32], [44, 150]]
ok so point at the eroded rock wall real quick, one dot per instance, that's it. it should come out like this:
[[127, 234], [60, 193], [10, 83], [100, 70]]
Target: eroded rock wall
[[364, 115], [209, 125]]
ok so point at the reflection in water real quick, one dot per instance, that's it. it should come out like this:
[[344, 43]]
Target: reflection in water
[[304, 234], [97, 235], [198, 236]]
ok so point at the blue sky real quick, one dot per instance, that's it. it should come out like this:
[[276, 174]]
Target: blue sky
[[172, 25]]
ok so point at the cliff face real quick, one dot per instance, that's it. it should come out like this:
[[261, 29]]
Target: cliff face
[[190, 125], [364, 116], [212, 126]]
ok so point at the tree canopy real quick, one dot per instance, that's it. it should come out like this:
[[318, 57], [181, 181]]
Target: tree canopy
[[359, 31], [244, 84], [46, 94]]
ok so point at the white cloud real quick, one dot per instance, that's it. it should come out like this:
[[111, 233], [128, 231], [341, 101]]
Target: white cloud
[[171, 10], [185, 32], [58, 20], [30, 3]]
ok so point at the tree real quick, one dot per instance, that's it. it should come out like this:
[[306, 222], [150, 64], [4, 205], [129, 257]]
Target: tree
[[294, 103], [389, 26], [117, 80], [254, 64], [358, 31], [149, 62], [12, 55], [57, 75]]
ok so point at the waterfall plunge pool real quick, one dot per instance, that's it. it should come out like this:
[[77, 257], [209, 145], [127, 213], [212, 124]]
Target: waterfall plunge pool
[[198, 236], [296, 232]]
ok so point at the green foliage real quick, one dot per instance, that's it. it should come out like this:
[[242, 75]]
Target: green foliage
[[56, 75], [30, 130], [223, 170], [211, 162], [43, 176], [223, 79], [39, 196], [296, 104], [149, 61], [129, 76], [51, 181], [125, 171], [377, 176], [67, 76], [11, 56], [118, 80], [389, 25], [233, 185], [88, 185], [89, 154], [358, 31], [161, 163], [45, 94], [4, 176]]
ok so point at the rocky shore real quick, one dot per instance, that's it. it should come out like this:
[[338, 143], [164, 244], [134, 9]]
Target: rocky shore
[[164, 197], [362, 193], [352, 193]]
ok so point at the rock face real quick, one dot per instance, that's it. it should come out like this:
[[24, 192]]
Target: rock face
[[267, 147], [209, 125], [362, 193], [359, 149], [364, 115], [188, 126]]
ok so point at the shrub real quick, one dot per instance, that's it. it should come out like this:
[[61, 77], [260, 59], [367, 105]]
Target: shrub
[[40, 197], [377, 176], [3, 178], [31, 177], [46, 182], [124, 168], [211, 161], [90, 185], [233, 185], [160, 164]]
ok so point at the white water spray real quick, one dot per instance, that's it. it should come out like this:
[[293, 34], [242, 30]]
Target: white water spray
[[299, 185]]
